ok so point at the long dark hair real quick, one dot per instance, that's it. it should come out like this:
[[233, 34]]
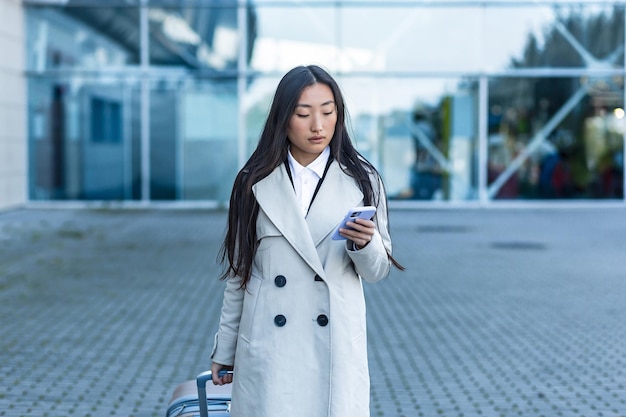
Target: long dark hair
[[240, 243]]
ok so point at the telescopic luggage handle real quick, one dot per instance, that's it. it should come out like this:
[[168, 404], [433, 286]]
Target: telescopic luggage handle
[[201, 381]]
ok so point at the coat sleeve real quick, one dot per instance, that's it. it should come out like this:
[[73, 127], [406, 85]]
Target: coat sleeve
[[372, 262], [226, 338]]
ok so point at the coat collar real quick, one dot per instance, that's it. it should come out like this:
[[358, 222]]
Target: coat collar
[[336, 196]]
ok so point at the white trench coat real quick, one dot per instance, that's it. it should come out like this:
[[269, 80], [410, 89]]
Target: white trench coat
[[297, 335]]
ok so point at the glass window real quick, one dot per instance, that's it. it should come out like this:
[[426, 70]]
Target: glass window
[[78, 3], [420, 133], [554, 36], [194, 37], [287, 37], [257, 102], [193, 139], [406, 68], [410, 38], [81, 38], [556, 138], [84, 139], [106, 120]]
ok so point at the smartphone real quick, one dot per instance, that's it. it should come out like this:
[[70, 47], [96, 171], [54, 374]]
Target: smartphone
[[365, 212]]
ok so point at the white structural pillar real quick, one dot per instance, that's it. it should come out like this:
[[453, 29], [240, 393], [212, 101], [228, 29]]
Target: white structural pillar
[[13, 137]]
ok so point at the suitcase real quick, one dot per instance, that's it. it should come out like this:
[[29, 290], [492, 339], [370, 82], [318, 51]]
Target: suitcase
[[214, 399]]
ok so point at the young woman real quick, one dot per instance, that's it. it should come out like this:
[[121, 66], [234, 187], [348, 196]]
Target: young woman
[[293, 315]]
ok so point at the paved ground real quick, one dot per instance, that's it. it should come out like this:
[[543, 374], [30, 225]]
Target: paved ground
[[500, 313]]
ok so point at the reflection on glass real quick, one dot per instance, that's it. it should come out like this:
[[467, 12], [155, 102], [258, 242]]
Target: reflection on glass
[[290, 36], [580, 36], [421, 134], [257, 102], [410, 38], [193, 140], [547, 138], [196, 37], [83, 139], [556, 138], [511, 32], [64, 38]]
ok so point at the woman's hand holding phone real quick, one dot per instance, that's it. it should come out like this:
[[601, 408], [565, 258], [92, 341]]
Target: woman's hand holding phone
[[357, 226]]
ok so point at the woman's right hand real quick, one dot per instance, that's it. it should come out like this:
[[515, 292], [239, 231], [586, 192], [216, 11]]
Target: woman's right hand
[[215, 371]]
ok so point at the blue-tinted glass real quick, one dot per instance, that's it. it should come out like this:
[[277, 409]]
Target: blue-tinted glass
[[81, 38], [193, 140]]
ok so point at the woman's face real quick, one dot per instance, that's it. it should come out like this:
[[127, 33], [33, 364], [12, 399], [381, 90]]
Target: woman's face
[[312, 124]]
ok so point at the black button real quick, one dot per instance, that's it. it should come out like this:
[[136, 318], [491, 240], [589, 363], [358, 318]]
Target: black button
[[322, 320], [280, 281], [318, 278], [280, 320]]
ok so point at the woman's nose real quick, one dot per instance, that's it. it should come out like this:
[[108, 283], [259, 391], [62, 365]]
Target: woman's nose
[[316, 125]]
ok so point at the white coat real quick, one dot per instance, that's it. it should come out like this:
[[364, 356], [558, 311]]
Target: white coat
[[297, 335]]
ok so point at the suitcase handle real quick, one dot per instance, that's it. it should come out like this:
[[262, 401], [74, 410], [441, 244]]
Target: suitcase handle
[[201, 381]]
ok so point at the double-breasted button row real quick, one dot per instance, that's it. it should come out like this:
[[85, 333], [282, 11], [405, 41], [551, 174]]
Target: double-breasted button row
[[280, 280], [281, 320]]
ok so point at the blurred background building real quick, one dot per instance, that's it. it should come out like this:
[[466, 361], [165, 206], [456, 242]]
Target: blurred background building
[[464, 103]]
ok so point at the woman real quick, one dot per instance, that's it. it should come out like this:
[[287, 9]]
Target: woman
[[293, 315]]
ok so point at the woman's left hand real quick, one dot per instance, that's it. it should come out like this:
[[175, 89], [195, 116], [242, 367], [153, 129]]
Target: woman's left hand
[[362, 232]]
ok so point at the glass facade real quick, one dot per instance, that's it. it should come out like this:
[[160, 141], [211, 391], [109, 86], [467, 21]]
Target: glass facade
[[455, 102]]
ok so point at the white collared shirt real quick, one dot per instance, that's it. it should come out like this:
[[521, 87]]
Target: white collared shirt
[[305, 178]]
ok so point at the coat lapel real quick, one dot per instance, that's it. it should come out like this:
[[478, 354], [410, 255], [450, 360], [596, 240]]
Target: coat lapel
[[277, 199], [336, 196]]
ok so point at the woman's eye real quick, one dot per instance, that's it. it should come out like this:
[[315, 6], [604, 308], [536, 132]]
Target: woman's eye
[[302, 115], [329, 113]]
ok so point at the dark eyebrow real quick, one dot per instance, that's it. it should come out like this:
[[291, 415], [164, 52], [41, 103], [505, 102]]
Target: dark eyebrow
[[309, 106]]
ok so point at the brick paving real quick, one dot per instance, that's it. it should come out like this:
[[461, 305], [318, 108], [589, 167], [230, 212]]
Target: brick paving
[[500, 312]]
